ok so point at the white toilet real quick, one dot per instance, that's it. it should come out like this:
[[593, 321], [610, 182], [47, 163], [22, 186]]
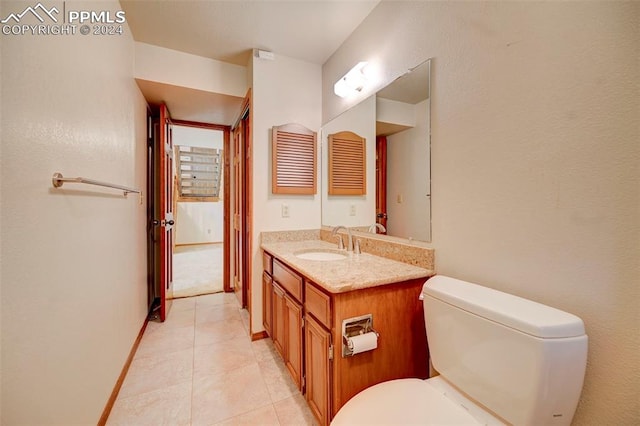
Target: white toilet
[[502, 360]]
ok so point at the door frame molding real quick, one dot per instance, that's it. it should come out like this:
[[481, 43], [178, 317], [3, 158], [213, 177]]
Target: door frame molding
[[226, 197], [245, 111], [165, 206]]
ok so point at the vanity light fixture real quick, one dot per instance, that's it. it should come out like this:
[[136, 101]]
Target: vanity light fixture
[[352, 82]]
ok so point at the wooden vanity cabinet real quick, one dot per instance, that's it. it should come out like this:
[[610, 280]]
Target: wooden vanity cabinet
[[318, 352], [398, 316], [278, 314], [306, 328], [287, 314], [293, 340], [318, 357], [267, 302], [267, 292]]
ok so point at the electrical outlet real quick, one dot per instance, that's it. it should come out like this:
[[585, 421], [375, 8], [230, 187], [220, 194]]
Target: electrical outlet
[[285, 210], [352, 210]]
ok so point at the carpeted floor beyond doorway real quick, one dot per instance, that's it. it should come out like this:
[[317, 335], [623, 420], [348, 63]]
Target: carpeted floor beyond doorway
[[197, 270]]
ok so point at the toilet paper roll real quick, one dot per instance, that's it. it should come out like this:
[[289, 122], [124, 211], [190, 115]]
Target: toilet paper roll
[[364, 342]]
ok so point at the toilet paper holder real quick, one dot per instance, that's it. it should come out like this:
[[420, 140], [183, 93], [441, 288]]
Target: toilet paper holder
[[354, 327]]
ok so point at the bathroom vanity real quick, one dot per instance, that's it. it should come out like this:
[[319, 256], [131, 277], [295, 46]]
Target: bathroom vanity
[[306, 297]]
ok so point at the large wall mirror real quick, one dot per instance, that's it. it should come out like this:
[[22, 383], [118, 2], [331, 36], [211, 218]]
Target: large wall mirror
[[396, 125]]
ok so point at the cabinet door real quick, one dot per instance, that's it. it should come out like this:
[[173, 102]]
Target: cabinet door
[[293, 340], [267, 302], [317, 369], [278, 319]]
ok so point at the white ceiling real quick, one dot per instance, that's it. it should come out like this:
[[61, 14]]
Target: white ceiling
[[192, 105], [309, 30]]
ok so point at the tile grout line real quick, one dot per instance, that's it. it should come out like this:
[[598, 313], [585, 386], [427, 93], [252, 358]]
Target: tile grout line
[[193, 359], [273, 403]]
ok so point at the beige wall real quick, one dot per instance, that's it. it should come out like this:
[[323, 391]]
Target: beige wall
[[73, 260], [159, 64], [285, 91], [408, 174], [535, 160]]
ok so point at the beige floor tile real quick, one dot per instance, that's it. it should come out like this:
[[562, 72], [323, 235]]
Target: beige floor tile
[[165, 406], [184, 303], [294, 411], [215, 313], [150, 373], [165, 339], [264, 416], [277, 378], [216, 299], [200, 368], [264, 349], [244, 315], [223, 356], [222, 396], [213, 332], [175, 319], [179, 318]]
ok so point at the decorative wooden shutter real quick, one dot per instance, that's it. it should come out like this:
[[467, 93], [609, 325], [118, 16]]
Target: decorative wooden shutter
[[293, 160], [347, 164]]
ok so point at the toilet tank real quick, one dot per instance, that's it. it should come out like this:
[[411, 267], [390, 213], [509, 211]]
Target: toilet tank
[[522, 360]]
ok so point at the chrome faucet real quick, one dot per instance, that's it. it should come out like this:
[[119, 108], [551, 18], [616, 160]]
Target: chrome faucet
[[349, 241], [374, 228]]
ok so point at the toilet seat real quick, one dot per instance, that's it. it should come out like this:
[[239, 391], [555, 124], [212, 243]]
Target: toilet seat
[[411, 402]]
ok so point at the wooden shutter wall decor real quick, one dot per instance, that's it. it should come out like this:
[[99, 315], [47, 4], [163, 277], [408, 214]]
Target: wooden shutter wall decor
[[293, 160], [347, 164]]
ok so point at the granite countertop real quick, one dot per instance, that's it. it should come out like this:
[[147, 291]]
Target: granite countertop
[[356, 271]]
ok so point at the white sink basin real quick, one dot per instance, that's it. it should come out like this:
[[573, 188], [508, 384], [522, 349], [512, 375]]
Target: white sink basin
[[322, 255]]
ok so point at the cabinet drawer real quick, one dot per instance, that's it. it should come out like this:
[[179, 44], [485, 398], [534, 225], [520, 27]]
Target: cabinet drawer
[[266, 263], [288, 279], [318, 304]]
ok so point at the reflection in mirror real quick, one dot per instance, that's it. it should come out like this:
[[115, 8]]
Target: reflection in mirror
[[396, 125]]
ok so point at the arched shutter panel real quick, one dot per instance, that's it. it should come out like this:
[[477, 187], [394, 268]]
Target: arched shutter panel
[[347, 164], [293, 160]]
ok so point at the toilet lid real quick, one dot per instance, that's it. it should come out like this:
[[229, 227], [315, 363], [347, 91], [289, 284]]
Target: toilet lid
[[402, 402]]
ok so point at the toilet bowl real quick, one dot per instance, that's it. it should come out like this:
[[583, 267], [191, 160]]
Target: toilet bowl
[[413, 402], [502, 360]]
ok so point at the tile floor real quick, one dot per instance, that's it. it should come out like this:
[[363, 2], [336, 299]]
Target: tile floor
[[200, 368]]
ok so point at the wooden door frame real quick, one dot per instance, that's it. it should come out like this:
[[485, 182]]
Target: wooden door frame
[[238, 244], [226, 255], [381, 181], [165, 194], [247, 217]]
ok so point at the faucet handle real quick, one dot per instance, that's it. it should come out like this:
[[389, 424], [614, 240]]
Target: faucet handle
[[340, 242]]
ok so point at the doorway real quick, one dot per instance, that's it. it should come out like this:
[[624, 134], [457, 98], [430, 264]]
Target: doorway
[[187, 172], [242, 206], [199, 210]]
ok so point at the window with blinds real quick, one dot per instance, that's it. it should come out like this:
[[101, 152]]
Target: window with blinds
[[347, 164], [293, 160], [199, 172]]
